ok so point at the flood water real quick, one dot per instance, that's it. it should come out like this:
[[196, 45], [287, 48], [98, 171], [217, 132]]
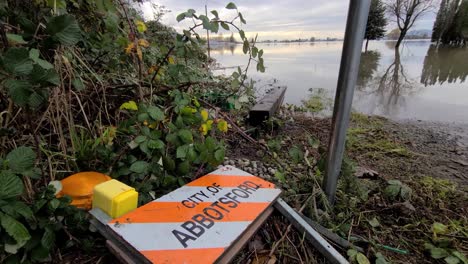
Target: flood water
[[419, 81]]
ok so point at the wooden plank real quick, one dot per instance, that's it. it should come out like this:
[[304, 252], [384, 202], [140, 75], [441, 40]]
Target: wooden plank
[[267, 106], [244, 238], [119, 253], [100, 220]]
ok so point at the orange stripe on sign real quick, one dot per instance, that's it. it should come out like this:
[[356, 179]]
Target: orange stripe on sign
[[230, 181], [168, 212], [202, 255]]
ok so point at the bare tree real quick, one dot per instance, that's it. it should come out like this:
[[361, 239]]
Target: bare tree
[[406, 12]]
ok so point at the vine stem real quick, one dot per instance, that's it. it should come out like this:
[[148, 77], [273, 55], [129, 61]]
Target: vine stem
[[135, 43]]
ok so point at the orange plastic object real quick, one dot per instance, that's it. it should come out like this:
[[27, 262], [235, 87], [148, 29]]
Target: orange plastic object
[[80, 187]]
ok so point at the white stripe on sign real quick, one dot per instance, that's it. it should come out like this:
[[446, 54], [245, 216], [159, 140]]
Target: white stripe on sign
[[160, 236], [259, 196]]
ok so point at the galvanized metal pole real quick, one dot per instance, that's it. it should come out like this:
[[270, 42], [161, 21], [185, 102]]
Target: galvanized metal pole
[[349, 68]]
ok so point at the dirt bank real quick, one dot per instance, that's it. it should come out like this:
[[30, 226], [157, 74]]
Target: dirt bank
[[425, 162]]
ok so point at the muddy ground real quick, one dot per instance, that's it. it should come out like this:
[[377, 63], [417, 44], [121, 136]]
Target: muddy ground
[[431, 158]]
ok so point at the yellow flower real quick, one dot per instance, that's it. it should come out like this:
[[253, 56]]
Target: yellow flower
[[143, 43], [141, 27], [145, 123], [129, 48], [204, 114], [153, 125], [204, 129], [209, 123], [171, 60], [130, 105], [222, 125]]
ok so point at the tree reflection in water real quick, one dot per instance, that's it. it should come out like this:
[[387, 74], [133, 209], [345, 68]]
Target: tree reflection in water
[[445, 64], [387, 90], [367, 67]]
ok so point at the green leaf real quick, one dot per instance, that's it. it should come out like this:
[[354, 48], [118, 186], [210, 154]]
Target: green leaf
[[260, 66], [352, 253], [439, 228], [24, 210], [225, 26], [280, 176], [394, 182], [10, 185], [219, 155], [39, 253], [43, 76], [140, 139], [191, 154], [380, 259], [64, 29], [130, 105], [17, 61], [48, 238], [254, 51], [206, 22], [16, 39], [313, 142], [392, 191], [168, 163], [19, 91], [242, 18], [214, 26], [54, 204], [156, 113], [143, 117], [460, 256], [182, 151], [21, 159], [139, 166], [155, 144], [78, 84], [260, 53], [180, 17], [210, 144], [183, 168], [215, 13], [374, 222], [242, 34], [362, 259], [438, 253], [34, 55], [245, 47], [231, 5], [452, 260], [296, 154], [185, 135], [16, 230]]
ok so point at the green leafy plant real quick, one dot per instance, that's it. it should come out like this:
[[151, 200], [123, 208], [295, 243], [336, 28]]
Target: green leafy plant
[[397, 190]]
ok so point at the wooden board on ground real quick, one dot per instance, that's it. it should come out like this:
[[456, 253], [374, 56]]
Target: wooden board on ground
[[267, 106], [205, 221]]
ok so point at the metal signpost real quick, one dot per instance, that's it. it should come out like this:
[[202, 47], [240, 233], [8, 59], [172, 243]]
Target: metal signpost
[[349, 68]]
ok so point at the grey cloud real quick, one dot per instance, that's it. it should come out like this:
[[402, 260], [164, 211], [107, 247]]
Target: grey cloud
[[279, 18]]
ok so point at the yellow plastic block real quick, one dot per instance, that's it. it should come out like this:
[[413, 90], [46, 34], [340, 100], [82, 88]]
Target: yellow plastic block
[[115, 198]]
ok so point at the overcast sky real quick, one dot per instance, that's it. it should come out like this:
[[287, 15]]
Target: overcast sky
[[286, 19]]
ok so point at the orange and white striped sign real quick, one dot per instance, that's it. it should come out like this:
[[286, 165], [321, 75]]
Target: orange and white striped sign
[[199, 221]]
